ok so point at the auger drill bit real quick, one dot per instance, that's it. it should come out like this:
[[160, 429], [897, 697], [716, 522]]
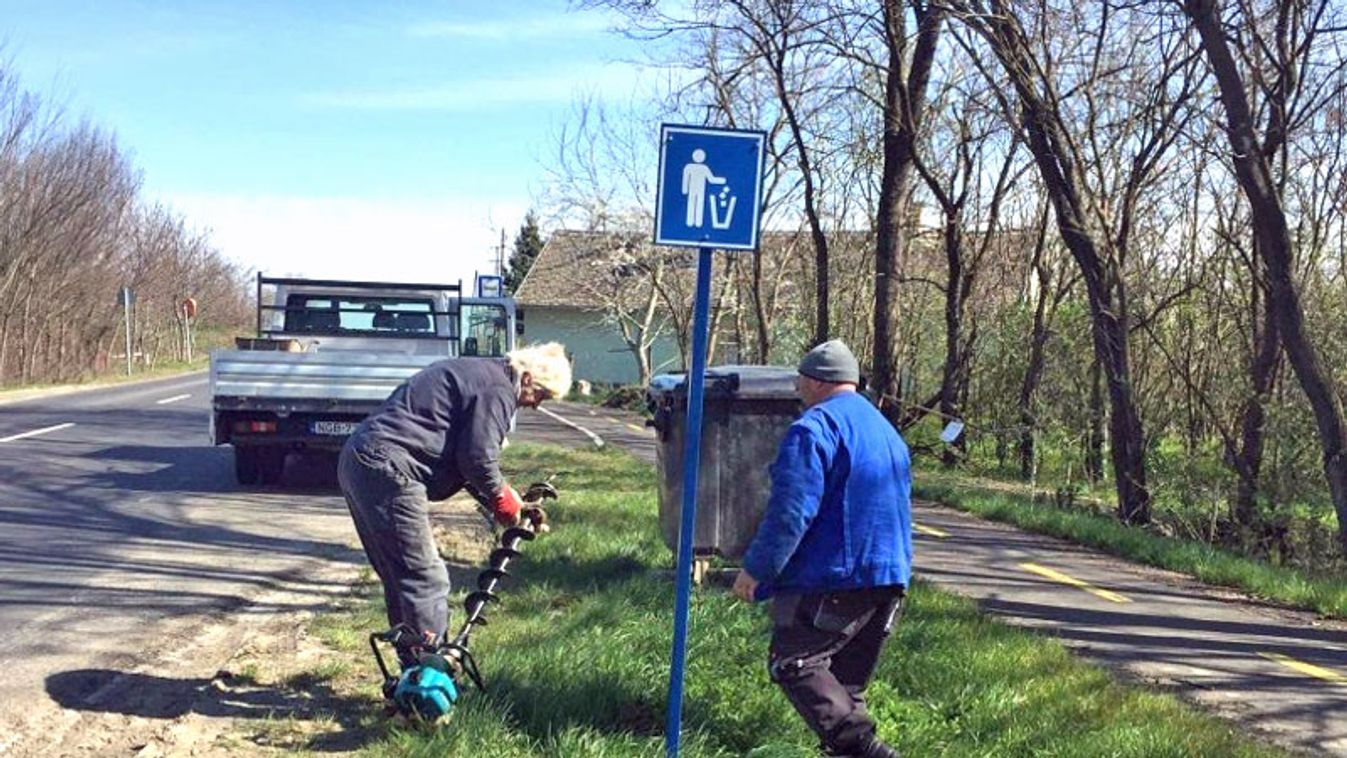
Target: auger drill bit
[[476, 602]]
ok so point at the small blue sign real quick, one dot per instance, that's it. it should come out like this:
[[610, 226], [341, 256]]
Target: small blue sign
[[490, 286], [710, 187]]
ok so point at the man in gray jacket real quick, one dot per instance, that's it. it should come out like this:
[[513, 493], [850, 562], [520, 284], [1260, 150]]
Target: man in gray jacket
[[438, 433]]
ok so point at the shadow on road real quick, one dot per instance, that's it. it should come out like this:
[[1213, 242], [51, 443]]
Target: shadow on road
[[100, 521], [306, 708]]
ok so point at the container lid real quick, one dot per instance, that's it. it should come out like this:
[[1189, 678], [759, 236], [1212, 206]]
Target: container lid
[[768, 382]]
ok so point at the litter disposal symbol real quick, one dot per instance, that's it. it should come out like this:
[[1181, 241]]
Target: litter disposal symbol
[[696, 175]]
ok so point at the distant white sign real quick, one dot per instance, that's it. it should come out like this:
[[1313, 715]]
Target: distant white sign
[[953, 431], [490, 286]]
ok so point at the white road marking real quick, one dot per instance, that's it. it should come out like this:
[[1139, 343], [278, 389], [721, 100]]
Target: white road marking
[[35, 432], [598, 441], [173, 399]]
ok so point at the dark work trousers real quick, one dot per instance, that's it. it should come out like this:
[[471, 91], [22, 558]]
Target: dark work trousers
[[823, 652], [392, 517]]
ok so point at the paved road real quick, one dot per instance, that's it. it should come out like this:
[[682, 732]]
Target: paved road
[[124, 543], [128, 554], [1275, 672]]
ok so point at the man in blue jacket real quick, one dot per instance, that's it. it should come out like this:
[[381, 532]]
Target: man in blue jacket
[[833, 552]]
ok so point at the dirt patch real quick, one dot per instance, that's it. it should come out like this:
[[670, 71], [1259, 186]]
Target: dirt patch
[[240, 684]]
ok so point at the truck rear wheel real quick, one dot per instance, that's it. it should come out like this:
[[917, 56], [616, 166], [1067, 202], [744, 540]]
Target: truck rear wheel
[[270, 464], [247, 469]]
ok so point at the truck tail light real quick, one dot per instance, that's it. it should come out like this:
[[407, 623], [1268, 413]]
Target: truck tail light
[[255, 427]]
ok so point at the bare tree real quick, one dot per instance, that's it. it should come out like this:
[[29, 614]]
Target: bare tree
[[1298, 25]]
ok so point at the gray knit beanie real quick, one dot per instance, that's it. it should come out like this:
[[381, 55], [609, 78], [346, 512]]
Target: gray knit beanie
[[831, 362]]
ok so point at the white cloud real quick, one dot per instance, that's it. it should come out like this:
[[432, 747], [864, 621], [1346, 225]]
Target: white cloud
[[440, 240], [554, 26], [611, 79]]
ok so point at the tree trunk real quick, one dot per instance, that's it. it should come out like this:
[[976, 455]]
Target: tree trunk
[[760, 314], [4, 347], [1252, 426], [643, 359], [26, 346], [953, 371], [1103, 283], [904, 101], [1094, 433], [1033, 373], [1273, 241], [811, 212]]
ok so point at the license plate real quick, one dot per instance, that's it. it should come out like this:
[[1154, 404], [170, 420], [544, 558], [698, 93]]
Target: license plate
[[334, 428]]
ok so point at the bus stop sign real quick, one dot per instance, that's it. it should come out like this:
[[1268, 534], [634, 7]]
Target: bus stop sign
[[710, 187]]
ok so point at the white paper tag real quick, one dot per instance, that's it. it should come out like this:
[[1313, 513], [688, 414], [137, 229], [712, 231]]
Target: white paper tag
[[953, 430]]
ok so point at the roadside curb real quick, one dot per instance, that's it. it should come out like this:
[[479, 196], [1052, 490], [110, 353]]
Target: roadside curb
[[17, 396]]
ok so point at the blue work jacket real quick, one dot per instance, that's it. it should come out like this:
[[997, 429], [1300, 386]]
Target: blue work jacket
[[840, 513]]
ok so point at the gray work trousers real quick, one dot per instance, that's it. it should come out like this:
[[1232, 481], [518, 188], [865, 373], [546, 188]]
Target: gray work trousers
[[823, 652], [392, 517]]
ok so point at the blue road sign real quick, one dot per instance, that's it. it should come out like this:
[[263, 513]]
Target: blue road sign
[[490, 286], [710, 187]]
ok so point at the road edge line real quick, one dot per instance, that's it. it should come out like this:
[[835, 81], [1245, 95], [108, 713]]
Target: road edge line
[[598, 441]]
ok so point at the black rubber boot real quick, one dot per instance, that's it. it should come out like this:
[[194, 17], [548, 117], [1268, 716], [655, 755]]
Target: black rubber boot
[[873, 747], [876, 748]]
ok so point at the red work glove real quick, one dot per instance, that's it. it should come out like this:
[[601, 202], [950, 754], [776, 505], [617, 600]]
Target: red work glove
[[507, 506]]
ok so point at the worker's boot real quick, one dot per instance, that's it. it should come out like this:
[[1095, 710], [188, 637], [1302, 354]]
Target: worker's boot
[[872, 747], [877, 749]]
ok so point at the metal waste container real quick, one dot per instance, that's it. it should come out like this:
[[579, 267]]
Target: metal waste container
[[747, 410]]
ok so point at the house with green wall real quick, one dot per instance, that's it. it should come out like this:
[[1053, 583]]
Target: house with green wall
[[581, 289]]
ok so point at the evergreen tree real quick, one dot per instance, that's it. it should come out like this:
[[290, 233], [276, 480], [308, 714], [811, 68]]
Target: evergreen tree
[[527, 244]]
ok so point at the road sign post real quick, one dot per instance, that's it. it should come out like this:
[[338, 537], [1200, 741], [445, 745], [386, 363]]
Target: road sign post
[[709, 193], [188, 316], [127, 297]]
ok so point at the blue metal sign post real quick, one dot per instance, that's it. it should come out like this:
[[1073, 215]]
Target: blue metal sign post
[[710, 184]]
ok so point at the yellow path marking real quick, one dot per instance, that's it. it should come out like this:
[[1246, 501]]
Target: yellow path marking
[[1058, 576], [932, 531], [1317, 672], [635, 427]]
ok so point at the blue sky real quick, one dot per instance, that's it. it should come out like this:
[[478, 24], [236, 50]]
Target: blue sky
[[369, 139]]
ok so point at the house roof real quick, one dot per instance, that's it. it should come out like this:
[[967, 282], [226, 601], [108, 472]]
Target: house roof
[[563, 273], [579, 269]]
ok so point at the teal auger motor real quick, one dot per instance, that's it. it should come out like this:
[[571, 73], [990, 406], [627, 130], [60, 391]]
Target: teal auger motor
[[428, 689]]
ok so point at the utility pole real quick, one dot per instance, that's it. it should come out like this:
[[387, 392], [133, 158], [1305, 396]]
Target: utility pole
[[500, 256]]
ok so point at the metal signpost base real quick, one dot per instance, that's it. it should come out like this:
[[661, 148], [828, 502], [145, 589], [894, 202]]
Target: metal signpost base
[[692, 446]]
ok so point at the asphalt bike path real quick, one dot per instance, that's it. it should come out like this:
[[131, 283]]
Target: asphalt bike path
[[1271, 671]]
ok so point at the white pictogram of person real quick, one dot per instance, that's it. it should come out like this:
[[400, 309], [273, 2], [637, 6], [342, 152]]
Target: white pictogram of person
[[696, 175]]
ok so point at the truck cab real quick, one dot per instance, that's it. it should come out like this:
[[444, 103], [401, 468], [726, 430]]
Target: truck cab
[[328, 352]]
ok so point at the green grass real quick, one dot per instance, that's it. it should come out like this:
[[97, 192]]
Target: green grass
[[1016, 505], [576, 660]]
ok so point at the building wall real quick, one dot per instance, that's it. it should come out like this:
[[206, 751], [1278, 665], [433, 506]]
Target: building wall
[[601, 357]]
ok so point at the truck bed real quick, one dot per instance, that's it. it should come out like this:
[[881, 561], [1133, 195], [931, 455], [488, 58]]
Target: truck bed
[[318, 380]]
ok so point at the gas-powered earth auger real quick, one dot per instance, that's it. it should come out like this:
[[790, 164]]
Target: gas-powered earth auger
[[428, 689]]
